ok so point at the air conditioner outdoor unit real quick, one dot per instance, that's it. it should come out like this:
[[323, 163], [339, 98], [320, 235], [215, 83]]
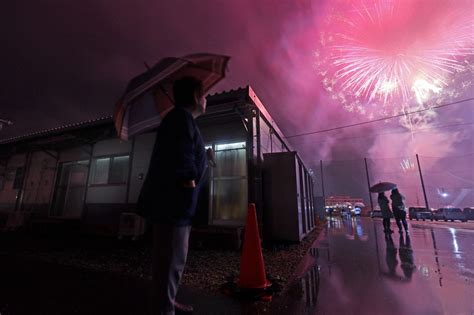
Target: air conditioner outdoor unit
[[131, 224]]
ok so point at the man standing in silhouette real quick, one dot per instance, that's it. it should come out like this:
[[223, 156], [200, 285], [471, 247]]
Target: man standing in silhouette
[[169, 194]]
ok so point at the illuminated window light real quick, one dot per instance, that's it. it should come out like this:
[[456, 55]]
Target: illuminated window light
[[230, 146]]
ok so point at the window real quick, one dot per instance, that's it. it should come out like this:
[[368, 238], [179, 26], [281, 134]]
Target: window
[[110, 170], [19, 175], [101, 171], [119, 170], [229, 184], [230, 146]]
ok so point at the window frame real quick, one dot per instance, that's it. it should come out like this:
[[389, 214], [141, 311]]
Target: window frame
[[213, 180], [111, 162]]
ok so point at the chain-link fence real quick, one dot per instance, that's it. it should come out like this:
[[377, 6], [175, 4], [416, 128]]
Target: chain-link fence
[[437, 181]]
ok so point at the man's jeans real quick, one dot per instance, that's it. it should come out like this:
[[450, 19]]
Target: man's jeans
[[170, 249]]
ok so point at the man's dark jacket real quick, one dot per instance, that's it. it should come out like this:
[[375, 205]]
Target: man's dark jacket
[[178, 155]]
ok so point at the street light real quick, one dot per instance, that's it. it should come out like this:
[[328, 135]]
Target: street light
[[443, 193]]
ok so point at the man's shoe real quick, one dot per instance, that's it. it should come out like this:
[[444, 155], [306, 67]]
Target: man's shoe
[[183, 308]]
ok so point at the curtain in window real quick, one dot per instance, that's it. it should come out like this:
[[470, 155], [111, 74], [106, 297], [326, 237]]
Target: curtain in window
[[101, 171], [119, 170]]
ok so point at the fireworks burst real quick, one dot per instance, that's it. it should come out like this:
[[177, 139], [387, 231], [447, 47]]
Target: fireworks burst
[[385, 57], [407, 165]]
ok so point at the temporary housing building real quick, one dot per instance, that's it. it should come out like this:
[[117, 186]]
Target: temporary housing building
[[83, 176]]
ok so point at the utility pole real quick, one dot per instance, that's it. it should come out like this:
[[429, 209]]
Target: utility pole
[[422, 183], [322, 181], [321, 215], [368, 184]]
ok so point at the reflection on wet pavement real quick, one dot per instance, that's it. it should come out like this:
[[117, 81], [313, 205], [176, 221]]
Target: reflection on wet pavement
[[306, 288], [354, 268]]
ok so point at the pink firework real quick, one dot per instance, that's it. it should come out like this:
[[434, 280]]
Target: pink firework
[[385, 57]]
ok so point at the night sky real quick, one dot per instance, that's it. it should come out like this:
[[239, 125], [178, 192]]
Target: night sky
[[66, 61], [69, 61]]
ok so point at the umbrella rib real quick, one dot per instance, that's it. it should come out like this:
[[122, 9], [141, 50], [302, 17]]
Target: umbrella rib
[[166, 93], [152, 82]]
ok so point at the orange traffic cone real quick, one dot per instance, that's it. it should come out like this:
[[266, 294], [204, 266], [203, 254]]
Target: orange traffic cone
[[252, 268]]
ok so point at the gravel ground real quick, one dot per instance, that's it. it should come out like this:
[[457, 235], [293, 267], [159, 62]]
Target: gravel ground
[[208, 269], [205, 269]]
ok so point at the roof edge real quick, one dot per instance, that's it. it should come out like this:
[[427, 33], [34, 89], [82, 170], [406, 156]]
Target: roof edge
[[56, 130]]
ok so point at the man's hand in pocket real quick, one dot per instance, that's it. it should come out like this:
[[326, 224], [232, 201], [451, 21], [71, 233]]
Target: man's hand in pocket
[[188, 183]]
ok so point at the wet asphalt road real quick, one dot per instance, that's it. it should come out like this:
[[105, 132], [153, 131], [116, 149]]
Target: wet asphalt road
[[353, 268]]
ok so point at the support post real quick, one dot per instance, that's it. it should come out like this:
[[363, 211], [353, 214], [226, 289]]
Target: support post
[[130, 170], [368, 184], [21, 193], [322, 182], [89, 171], [250, 159], [56, 177], [258, 181], [422, 183]]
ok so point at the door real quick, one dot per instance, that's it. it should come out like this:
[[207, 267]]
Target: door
[[228, 191], [70, 190]]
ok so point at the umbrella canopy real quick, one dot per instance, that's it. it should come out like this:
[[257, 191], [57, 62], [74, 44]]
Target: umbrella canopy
[[148, 97], [359, 204], [382, 186]]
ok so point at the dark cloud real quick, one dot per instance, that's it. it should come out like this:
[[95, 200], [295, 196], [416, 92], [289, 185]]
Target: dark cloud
[[68, 61]]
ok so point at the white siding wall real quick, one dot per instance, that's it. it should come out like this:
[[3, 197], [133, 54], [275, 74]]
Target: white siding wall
[[107, 194], [75, 154], [112, 147]]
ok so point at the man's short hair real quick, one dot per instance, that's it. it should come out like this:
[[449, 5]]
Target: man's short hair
[[184, 91]]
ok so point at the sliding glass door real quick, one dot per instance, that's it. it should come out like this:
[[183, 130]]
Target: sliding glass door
[[70, 189]]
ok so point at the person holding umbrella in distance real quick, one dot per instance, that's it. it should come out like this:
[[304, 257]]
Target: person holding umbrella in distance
[[398, 207], [384, 204], [386, 212]]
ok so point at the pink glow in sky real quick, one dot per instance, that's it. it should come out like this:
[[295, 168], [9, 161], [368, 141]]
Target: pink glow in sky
[[386, 57]]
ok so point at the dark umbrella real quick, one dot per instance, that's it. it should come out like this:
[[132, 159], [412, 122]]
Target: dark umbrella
[[382, 186], [148, 97]]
